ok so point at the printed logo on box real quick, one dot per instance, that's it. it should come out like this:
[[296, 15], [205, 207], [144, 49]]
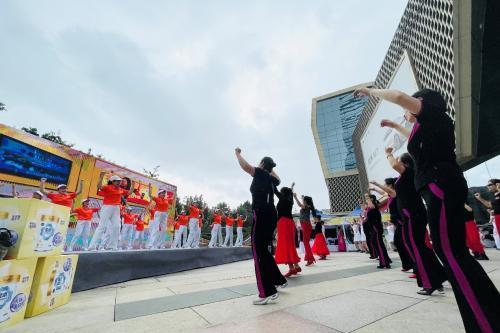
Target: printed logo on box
[[18, 302]]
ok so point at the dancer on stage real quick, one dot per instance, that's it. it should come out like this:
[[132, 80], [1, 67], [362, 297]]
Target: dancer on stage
[[412, 211], [159, 225], [127, 233], [139, 232], [83, 217], [110, 211], [320, 247], [401, 236], [472, 238], [182, 221], [440, 181], [62, 196], [194, 214], [229, 231], [306, 209], [264, 223], [239, 231], [199, 225], [216, 235], [286, 252]]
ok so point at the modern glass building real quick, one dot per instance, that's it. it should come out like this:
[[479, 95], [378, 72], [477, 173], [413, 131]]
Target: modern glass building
[[334, 118]]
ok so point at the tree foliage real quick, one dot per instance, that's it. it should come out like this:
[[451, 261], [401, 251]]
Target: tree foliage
[[155, 174], [51, 136]]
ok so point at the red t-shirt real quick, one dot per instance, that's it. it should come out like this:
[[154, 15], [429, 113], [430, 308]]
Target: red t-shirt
[[194, 212], [183, 220], [62, 199], [229, 221], [85, 214], [139, 225], [217, 219], [240, 222], [112, 195], [162, 204], [200, 222], [129, 218], [176, 226]]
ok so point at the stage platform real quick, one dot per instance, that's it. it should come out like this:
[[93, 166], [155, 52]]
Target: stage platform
[[98, 269]]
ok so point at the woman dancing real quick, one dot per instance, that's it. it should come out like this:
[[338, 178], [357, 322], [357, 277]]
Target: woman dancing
[[320, 246], [264, 223], [412, 211], [306, 208], [286, 252], [400, 233], [440, 182], [374, 219]]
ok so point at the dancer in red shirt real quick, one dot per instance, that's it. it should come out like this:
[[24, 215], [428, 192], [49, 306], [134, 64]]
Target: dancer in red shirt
[[61, 197], [239, 231], [139, 232], [159, 225], [127, 233], [110, 211], [83, 216], [194, 213], [216, 236], [229, 231]]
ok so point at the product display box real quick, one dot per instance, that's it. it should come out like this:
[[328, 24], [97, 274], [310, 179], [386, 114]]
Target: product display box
[[52, 283], [39, 227], [16, 278]]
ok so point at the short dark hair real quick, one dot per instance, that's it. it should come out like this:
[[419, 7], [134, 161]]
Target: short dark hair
[[494, 181], [268, 164], [407, 160], [390, 181], [432, 98], [374, 200]]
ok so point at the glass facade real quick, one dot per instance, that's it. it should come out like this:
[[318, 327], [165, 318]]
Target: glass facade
[[336, 119]]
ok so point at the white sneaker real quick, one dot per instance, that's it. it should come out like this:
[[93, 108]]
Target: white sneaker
[[264, 301], [283, 286]]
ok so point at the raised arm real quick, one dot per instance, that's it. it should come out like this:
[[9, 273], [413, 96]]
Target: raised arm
[[243, 163], [299, 203], [275, 175], [398, 127], [485, 202], [382, 189], [412, 104], [42, 186], [393, 162], [132, 188], [99, 182]]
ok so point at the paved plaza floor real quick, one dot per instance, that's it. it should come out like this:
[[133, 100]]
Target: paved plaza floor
[[345, 293]]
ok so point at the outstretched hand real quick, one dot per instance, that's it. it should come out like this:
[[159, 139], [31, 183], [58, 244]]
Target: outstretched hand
[[389, 150], [387, 123], [237, 151], [360, 92]]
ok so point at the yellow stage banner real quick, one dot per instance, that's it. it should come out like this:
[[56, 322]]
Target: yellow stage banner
[[52, 283], [16, 277], [39, 227]]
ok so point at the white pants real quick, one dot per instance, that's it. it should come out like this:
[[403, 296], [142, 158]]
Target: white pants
[[216, 236], [139, 236], [109, 222], [197, 238], [127, 234], [177, 238], [193, 230], [229, 236], [496, 235], [157, 230], [82, 229], [239, 236]]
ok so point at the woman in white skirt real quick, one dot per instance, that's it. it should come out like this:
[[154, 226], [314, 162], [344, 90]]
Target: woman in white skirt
[[357, 235]]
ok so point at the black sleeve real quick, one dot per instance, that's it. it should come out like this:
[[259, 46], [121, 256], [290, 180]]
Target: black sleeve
[[278, 193]]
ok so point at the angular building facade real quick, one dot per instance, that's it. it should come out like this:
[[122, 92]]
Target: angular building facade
[[333, 120], [453, 47]]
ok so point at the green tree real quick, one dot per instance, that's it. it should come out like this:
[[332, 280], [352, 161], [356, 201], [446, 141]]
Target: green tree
[[152, 173], [31, 130], [3, 107], [54, 137]]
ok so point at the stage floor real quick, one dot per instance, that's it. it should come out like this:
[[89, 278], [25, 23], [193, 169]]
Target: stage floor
[[98, 269]]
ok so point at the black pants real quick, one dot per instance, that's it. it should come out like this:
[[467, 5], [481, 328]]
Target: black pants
[[369, 240], [477, 297], [430, 271], [378, 242], [405, 257], [267, 272]]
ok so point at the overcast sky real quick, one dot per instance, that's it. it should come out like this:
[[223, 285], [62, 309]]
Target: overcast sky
[[180, 84]]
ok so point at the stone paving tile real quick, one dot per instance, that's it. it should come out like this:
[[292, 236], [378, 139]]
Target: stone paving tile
[[350, 311]]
